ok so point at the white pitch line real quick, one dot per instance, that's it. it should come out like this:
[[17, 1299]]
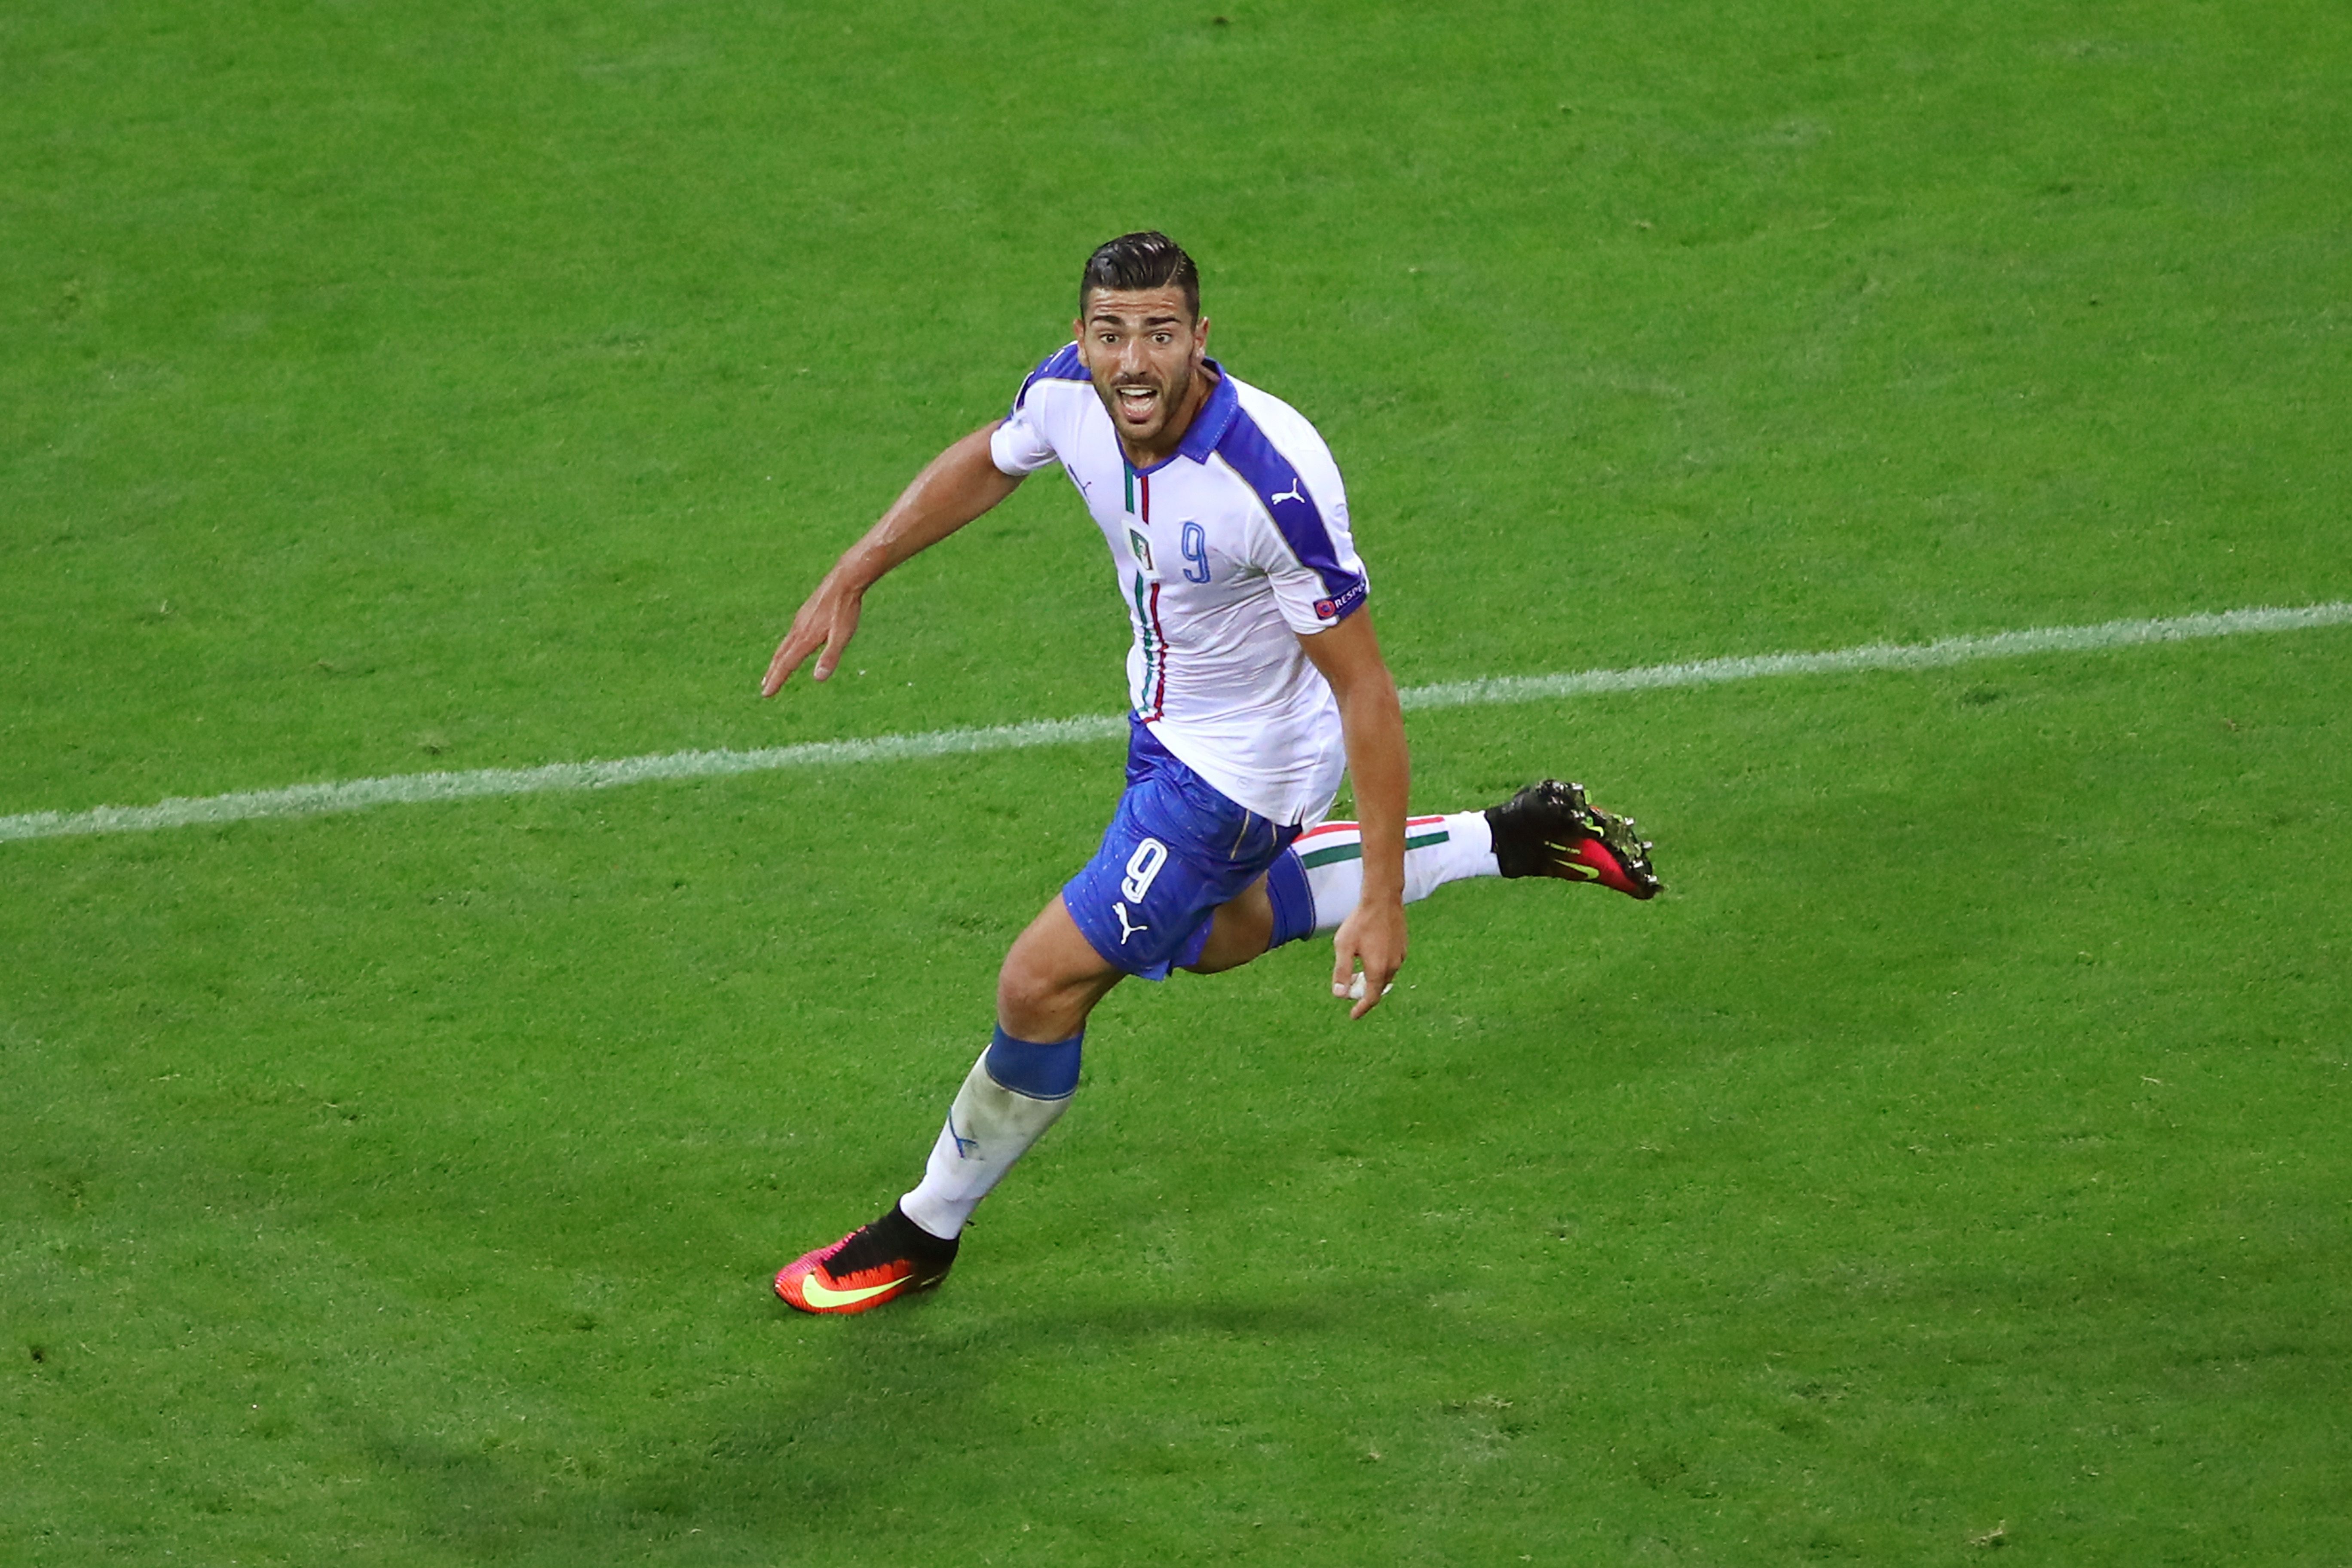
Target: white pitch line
[[409, 789], [1881, 656]]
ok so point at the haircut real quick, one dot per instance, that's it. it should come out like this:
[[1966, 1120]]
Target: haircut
[[1146, 260]]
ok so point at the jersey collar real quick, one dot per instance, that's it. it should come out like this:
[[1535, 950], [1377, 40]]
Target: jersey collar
[[1208, 425]]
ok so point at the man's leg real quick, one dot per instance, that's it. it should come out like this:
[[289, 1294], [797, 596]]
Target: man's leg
[[1018, 1088], [1547, 829], [1024, 1081], [1052, 978], [1315, 883], [1238, 932], [1437, 850]]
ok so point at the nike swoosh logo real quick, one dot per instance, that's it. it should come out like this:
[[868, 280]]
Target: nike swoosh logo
[[1575, 870], [819, 1294]]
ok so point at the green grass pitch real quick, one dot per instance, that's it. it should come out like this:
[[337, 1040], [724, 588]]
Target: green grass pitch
[[1953, 1165]]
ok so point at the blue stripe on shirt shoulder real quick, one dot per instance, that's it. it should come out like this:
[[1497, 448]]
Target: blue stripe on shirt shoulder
[[1282, 491], [1062, 364]]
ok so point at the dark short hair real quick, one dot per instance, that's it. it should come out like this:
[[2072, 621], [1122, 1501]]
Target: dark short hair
[[1146, 260]]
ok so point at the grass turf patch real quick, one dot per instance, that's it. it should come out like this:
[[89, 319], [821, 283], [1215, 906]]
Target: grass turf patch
[[396, 387], [1775, 1220]]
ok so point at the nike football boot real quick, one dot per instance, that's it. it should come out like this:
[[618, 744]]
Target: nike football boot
[[1550, 829], [873, 1264]]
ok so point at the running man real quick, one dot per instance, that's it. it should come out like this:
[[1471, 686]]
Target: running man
[[1255, 681]]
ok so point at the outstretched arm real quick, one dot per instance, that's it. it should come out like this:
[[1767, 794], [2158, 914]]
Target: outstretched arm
[[954, 488], [1348, 655]]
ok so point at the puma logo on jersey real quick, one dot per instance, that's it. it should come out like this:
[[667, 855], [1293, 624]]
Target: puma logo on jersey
[[1125, 928], [1298, 491]]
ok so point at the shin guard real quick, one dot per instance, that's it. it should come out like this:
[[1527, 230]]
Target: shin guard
[[1016, 1090]]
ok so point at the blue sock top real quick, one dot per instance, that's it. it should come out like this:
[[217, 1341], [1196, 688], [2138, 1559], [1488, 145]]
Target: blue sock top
[[1041, 1071]]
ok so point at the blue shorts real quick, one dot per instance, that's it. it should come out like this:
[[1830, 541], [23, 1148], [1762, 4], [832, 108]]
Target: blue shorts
[[1176, 848]]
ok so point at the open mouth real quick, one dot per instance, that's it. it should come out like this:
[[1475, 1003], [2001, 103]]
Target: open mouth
[[1136, 403]]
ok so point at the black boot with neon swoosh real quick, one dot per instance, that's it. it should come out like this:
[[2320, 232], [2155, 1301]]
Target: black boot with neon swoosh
[[873, 1264], [1550, 829]]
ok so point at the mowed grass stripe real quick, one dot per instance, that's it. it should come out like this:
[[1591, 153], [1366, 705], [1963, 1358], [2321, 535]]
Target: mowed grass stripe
[[411, 789]]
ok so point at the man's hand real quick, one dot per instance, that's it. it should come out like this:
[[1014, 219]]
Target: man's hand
[[1372, 935], [955, 487], [828, 620]]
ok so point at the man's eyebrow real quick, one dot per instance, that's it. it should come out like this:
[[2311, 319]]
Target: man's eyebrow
[[1164, 318]]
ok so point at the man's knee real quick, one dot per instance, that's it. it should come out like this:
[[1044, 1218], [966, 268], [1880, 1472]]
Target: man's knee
[[1024, 988], [1051, 979]]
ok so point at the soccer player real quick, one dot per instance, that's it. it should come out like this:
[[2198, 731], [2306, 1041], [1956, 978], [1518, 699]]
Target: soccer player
[[1255, 681]]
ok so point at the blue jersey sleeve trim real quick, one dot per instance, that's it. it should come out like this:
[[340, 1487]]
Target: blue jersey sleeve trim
[[1062, 364], [1284, 492]]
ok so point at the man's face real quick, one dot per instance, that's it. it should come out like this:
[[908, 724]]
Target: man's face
[[1143, 348]]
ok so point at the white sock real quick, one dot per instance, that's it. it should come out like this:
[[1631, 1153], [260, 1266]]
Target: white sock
[[988, 1127], [1437, 850]]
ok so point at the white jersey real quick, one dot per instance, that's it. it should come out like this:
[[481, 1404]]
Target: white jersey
[[1225, 551]]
